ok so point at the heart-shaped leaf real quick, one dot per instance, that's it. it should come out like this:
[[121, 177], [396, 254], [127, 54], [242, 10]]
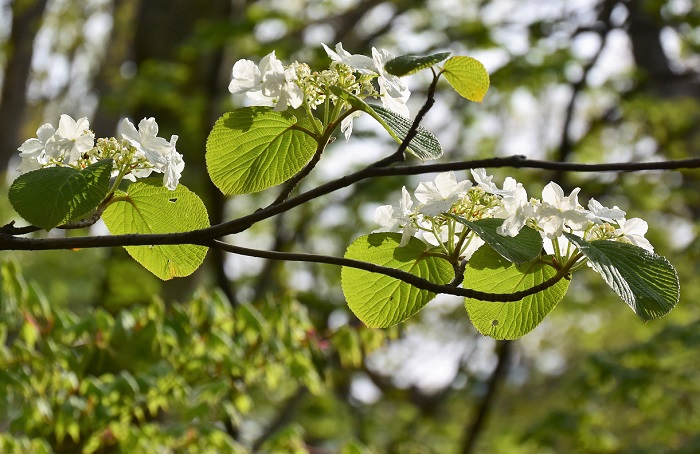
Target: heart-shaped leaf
[[149, 207], [468, 77], [488, 271], [254, 148], [52, 196], [379, 300]]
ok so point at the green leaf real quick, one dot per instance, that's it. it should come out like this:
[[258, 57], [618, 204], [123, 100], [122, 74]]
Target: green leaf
[[405, 65], [525, 247], [467, 76], [647, 282], [254, 148], [488, 271], [149, 207], [379, 300], [424, 145], [52, 196]]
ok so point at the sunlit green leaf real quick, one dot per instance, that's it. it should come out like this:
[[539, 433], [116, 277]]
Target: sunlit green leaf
[[152, 208], [379, 300], [488, 271], [468, 77], [254, 148]]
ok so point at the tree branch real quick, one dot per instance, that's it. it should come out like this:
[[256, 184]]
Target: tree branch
[[404, 276], [9, 242]]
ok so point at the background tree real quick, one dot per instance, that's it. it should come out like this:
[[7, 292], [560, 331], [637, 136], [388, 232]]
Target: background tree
[[196, 369]]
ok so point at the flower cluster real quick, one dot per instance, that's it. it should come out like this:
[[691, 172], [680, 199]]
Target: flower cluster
[[270, 83], [552, 215], [137, 153]]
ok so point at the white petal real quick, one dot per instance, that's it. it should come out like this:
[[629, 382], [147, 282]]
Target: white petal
[[346, 124], [245, 76]]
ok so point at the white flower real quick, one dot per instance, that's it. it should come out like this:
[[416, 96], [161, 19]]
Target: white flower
[[393, 91], [515, 208], [172, 167], [558, 211], [71, 139], [346, 124], [439, 196], [245, 76], [600, 214], [158, 151], [33, 151], [280, 83], [359, 63], [633, 231], [484, 182], [146, 140], [392, 218]]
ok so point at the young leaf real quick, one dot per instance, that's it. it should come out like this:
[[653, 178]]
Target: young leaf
[[467, 76], [152, 208], [52, 196], [424, 145], [254, 148], [379, 300], [647, 282], [405, 65], [488, 271], [524, 247]]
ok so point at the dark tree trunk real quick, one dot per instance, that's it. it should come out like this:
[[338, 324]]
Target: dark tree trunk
[[26, 19]]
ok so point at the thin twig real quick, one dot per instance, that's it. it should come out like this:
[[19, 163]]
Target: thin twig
[[404, 276]]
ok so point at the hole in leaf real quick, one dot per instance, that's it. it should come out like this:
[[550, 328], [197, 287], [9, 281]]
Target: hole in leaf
[[494, 323], [173, 200]]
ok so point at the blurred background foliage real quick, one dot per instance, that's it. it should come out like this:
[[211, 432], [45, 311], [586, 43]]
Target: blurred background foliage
[[248, 355]]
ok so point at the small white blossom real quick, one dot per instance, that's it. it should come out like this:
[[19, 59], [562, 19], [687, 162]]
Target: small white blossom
[[172, 166], [71, 140], [515, 208], [346, 124], [359, 63], [280, 83], [33, 151], [245, 76], [392, 218], [158, 151], [393, 91], [633, 231], [484, 182], [600, 214], [558, 211], [439, 196], [145, 140]]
